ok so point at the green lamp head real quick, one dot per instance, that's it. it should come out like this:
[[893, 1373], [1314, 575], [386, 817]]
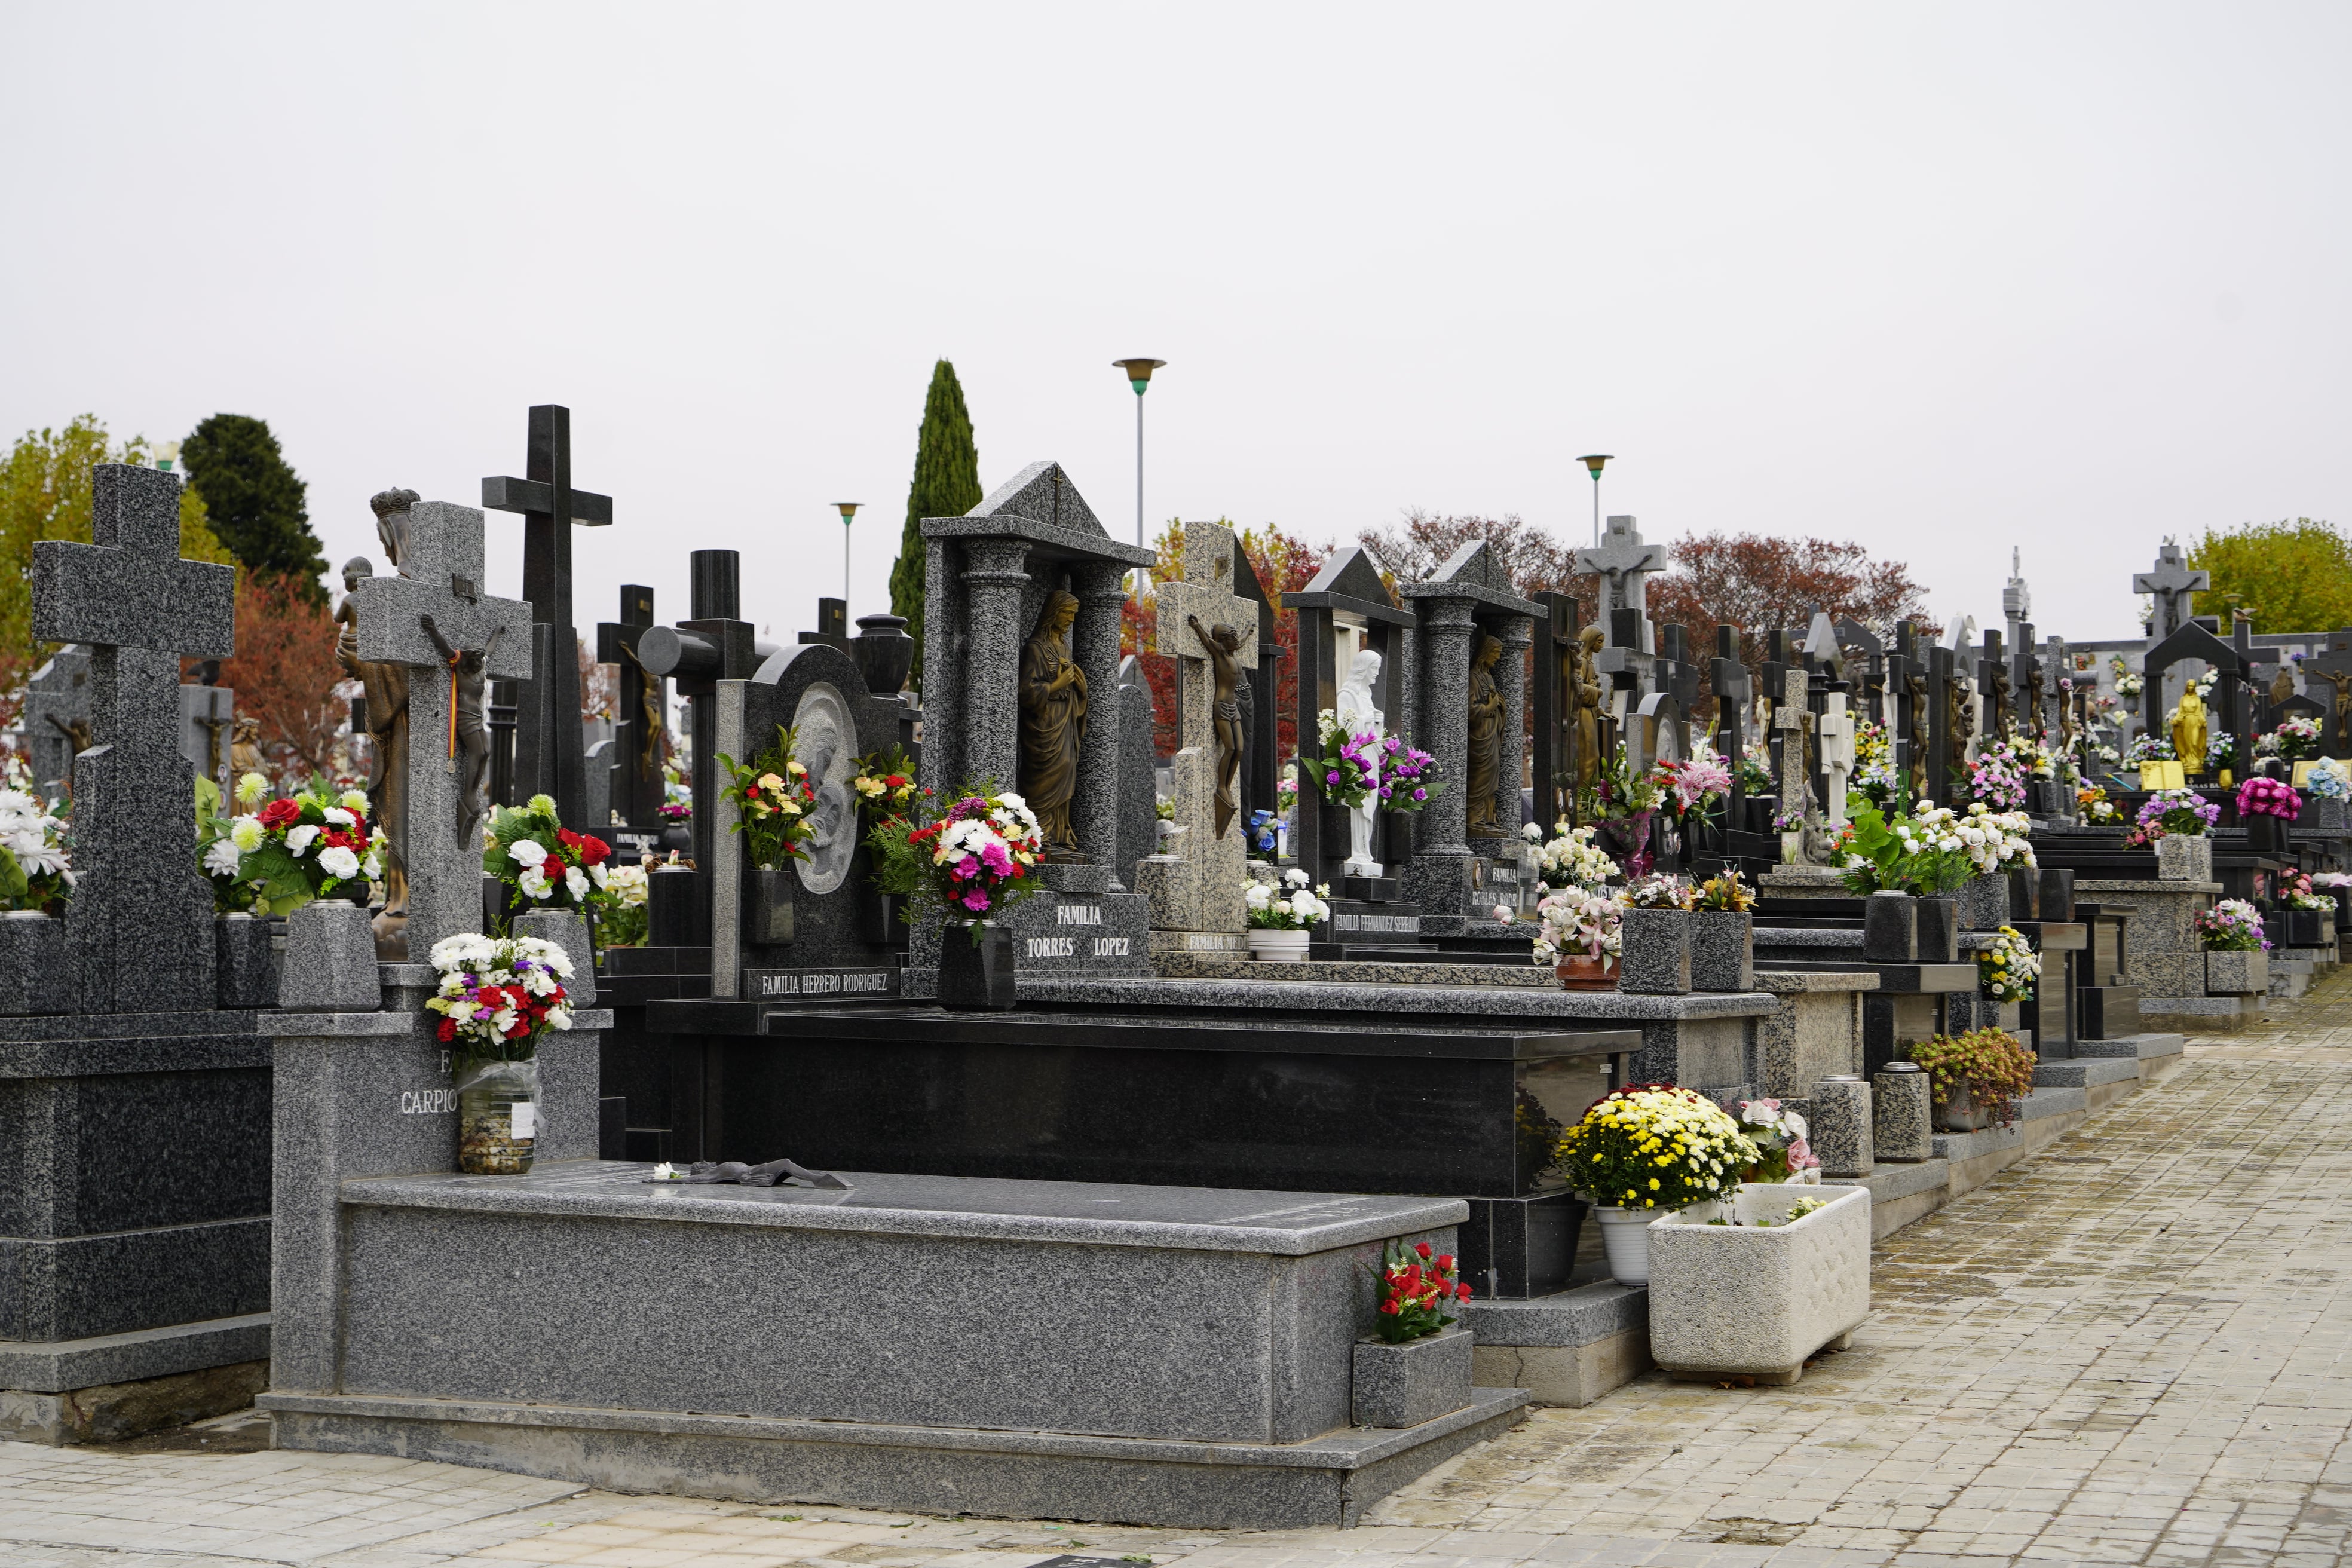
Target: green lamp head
[[1593, 460], [848, 510], [1138, 372]]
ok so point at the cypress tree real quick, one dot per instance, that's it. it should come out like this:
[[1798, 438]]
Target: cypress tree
[[947, 484], [254, 500]]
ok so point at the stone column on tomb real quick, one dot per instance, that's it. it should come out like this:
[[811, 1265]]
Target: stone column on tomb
[[990, 677], [1094, 643], [1445, 731], [1517, 636]]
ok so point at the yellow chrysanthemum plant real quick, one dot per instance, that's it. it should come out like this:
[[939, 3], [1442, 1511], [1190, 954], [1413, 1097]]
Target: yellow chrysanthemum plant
[[1655, 1146]]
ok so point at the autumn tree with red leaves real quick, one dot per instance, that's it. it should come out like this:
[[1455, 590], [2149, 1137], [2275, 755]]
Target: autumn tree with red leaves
[[285, 674], [1756, 583]]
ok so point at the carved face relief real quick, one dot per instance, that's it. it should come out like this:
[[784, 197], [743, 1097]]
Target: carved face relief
[[823, 742]]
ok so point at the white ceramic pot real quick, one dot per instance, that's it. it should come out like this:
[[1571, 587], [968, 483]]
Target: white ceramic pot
[[1625, 1236], [1278, 946]]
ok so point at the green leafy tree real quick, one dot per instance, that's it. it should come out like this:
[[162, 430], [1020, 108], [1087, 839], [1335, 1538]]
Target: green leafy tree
[[2291, 576], [44, 494], [254, 500], [947, 484]]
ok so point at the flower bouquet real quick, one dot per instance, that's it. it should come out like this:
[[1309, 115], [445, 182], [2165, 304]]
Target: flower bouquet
[[1755, 769], [497, 997], [2328, 780], [1779, 1136], [1408, 776], [2093, 806], [1693, 785], [550, 866], [2170, 812], [1580, 933], [315, 844], [2232, 925], [2221, 751], [2008, 966], [1996, 775], [1655, 1146], [623, 919], [2149, 746], [1976, 1077], [885, 782], [1572, 860], [1996, 840], [1664, 891], [2295, 738], [971, 862], [1921, 853], [35, 865], [1724, 894], [772, 801], [1291, 907], [1418, 1288], [2269, 797], [2298, 893], [1346, 770]]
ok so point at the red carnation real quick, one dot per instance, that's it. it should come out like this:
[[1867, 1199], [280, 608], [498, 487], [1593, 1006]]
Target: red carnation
[[1422, 1248], [280, 814], [448, 1029], [1390, 1308], [1444, 1261]]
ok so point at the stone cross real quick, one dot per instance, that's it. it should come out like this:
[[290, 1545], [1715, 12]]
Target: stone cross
[[438, 599], [1203, 891], [2327, 676], [1623, 563], [550, 744], [207, 713], [141, 930], [2172, 583], [644, 711], [1834, 728]]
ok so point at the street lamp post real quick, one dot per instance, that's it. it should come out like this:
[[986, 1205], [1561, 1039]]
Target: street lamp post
[[1139, 376], [1593, 460], [848, 510]]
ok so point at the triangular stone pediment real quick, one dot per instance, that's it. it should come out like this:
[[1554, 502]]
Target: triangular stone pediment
[[1474, 563], [1353, 572], [1043, 494], [1855, 637], [2193, 641]]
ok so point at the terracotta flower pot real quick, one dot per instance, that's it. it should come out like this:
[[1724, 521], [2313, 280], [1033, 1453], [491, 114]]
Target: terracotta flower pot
[[1581, 974]]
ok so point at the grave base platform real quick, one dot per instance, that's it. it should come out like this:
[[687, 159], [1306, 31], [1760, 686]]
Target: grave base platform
[[1361, 966], [109, 1387], [1328, 1482]]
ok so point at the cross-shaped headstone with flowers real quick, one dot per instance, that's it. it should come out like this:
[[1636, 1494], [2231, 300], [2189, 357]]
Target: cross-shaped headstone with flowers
[[141, 926], [436, 604]]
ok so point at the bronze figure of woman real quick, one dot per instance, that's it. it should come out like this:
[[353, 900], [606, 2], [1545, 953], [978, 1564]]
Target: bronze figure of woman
[[1053, 720], [1485, 739]]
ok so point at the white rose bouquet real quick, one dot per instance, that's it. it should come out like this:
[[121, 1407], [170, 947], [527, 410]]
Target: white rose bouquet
[[1291, 907]]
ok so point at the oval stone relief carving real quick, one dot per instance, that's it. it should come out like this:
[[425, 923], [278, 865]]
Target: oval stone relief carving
[[826, 742]]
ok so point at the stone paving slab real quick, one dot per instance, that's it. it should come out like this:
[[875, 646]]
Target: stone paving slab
[[2134, 1346]]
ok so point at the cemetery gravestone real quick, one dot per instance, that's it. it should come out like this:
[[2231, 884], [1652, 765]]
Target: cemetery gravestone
[[2173, 585], [1261, 686], [1194, 885], [57, 718], [640, 741], [1003, 586], [549, 752], [1139, 818], [207, 713], [1624, 562]]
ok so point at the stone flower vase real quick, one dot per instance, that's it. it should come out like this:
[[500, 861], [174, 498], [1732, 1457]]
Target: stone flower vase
[[1960, 1112], [498, 1117], [2183, 857], [1655, 959], [331, 960], [767, 907], [979, 977], [1722, 950], [1418, 1380], [1755, 1299], [1984, 901], [2237, 974]]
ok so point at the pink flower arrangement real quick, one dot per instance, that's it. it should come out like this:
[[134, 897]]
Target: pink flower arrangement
[[1702, 779], [2269, 797]]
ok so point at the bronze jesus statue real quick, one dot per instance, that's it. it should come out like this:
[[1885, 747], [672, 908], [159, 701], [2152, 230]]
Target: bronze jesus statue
[[1225, 671]]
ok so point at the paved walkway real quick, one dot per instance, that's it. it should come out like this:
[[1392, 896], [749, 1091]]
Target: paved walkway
[[2134, 1348]]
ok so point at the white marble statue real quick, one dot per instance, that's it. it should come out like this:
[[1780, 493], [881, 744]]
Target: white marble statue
[[1358, 716]]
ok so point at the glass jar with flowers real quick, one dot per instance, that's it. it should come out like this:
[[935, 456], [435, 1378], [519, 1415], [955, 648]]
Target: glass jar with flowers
[[496, 997], [1648, 1150]]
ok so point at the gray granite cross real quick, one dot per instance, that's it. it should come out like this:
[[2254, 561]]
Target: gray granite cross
[[436, 603], [140, 927], [2172, 583], [1623, 562]]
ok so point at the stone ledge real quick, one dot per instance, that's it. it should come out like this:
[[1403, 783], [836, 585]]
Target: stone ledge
[[1808, 936], [2085, 1071], [1789, 982], [1198, 966], [55, 1366], [2141, 884], [2142, 1045], [1281, 1225], [322, 1026], [1582, 1315], [1329, 1481], [1893, 1180], [2036, 1105], [1496, 1001]]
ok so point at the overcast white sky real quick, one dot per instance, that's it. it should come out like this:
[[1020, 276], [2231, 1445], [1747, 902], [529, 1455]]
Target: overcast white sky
[[1940, 279]]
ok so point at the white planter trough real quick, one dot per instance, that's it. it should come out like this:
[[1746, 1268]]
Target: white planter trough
[[1750, 1300]]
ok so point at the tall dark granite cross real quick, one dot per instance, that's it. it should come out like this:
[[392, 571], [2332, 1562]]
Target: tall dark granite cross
[[140, 928], [641, 731], [1729, 678], [436, 608], [550, 740], [2172, 583]]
